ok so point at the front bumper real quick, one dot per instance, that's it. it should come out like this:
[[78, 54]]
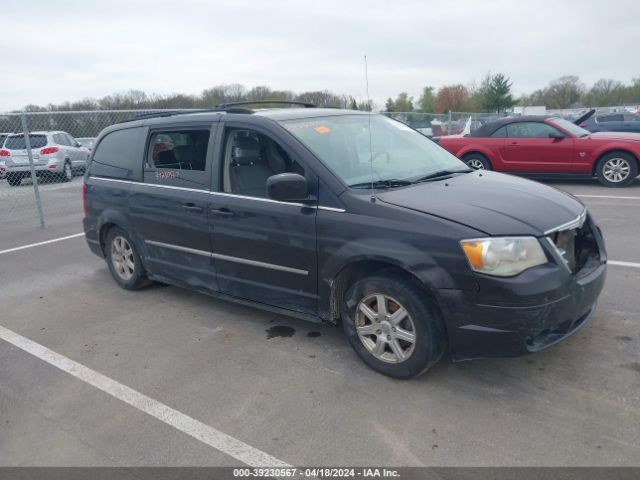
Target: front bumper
[[476, 329], [529, 312]]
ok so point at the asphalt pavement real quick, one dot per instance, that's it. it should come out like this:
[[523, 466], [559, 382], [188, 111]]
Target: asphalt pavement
[[303, 399]]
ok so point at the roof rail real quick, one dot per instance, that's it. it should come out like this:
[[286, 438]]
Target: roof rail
[[171, 113], [267, 102]]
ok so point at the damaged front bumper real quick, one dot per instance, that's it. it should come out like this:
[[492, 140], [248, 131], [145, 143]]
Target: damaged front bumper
[[531, 311]]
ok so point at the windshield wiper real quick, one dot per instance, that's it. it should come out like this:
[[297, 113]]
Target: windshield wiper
[[389, 183], [441, 174]]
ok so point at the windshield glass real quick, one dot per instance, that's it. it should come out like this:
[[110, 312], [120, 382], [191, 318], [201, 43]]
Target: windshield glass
[[393, 151], [571, 127]]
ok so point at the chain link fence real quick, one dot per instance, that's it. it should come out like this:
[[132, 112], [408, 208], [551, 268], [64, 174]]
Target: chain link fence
[[44, 154], [440, 124], [42, 158]]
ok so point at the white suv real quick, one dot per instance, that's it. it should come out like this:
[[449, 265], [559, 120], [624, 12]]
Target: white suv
[[55, 154]]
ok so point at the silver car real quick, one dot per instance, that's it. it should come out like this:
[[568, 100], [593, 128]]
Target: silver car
[[55, 155], [2, 167]]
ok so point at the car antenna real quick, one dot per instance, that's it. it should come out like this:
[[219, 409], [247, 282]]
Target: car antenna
[[366, 77]]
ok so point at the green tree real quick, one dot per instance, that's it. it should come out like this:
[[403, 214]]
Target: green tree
[[427, 101], [496, 96], [389, 106]]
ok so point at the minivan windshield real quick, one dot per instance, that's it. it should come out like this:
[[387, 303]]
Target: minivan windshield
[[393, 155]]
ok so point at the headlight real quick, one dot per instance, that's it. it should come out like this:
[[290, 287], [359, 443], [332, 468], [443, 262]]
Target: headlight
[[503, 256]]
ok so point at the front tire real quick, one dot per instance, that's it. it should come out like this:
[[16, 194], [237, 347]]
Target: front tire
[[477, 161], [123, 260], [393, 325], [617, 169]]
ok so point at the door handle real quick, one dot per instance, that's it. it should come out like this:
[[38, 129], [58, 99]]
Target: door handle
[[191, 207], [222, 212]]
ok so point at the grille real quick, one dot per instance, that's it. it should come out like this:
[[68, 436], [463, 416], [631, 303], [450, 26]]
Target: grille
[[578, 248]]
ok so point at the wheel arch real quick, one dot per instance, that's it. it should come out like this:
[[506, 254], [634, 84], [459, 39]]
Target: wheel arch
[[363, 267], [109, 219], [476, 151], [599, 155]]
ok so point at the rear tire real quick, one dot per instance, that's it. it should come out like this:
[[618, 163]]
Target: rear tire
[[67, 172], [393, 325], [477, 161], [123, 260], [617, 169], [14, 179]]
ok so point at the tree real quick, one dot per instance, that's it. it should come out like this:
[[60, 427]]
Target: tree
[[389, 106], [404, 103], [564, 92], [452, 98], [604, 92], [497, 94], [427, 101]]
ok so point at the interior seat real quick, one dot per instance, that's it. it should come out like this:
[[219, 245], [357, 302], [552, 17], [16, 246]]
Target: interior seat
[[249, 171], [187, 157]]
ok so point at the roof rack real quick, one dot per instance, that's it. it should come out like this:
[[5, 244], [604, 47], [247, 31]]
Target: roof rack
[[267, 102], [171, 113]]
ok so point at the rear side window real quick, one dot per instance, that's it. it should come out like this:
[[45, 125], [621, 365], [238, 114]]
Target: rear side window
[[530, 130], [18, 143], [60, 139], [611, 118], [500, 133], [178, 157], [119, 154]]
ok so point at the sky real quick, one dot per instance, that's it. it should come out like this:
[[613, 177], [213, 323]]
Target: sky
[[55, 51]]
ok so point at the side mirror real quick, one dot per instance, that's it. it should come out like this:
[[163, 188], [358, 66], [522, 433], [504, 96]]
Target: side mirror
[[556, 135], [78, 145], [287, 187]]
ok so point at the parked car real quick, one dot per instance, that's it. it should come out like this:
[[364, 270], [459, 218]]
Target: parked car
[[549, 146], [55, 154], [86, 142], [612, 122], [3, 168], [344, 217]]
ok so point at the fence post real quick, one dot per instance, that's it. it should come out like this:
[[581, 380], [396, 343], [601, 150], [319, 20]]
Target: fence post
[[449, 124], [34, 178]]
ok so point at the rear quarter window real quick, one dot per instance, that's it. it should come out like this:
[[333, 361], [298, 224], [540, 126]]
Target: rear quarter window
[[119, 154]]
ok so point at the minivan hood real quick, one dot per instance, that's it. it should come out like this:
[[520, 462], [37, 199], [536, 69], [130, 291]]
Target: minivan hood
[[494, 203]]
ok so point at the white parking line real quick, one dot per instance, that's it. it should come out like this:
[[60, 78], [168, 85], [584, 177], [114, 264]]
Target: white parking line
[[210, 436], [624, 264], [616, 197], [46, 242]]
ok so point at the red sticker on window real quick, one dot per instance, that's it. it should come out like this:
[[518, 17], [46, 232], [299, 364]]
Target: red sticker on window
[[322, 130]]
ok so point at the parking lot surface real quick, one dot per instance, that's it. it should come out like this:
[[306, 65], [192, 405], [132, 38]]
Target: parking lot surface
[[298, 394]]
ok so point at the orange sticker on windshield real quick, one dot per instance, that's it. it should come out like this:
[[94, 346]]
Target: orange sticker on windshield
[[322, 130]]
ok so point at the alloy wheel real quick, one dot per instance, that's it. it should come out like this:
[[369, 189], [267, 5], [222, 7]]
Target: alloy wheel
[[616, 170], [385, 328], [475, 163], [122, 258]]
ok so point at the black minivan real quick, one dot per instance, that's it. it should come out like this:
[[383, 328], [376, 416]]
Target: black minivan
[[345, 217]]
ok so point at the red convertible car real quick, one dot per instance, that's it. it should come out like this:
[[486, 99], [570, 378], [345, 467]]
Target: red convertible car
[[549, 146]]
